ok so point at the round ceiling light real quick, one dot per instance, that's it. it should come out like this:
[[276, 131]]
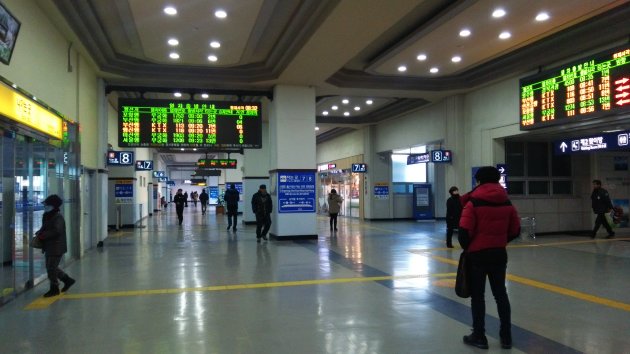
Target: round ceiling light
[[173, 42], [402, 68], [498, 13], [505, 35], [220, 14], [212, 58], [170, 10], [174, 55], [465, 32], [543, 16], [215, 44]]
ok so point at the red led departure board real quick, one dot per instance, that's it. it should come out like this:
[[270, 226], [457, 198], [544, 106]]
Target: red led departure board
[[589, 88], [217, 163], [163, 123]]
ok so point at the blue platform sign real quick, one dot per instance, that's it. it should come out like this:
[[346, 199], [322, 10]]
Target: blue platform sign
[[123, 192], [296, 192], [602, 142]]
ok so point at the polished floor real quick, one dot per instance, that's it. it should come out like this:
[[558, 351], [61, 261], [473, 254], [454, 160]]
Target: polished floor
[[371, 287]]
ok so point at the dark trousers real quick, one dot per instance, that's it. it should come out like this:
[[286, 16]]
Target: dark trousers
[[599, 221], [490, 263], [333, 220], [263, 223], [52, 268], [180, 213], [449, 235], [204, 206], [231, 214]]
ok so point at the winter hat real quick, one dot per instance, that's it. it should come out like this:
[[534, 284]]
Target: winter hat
[[53, 200], [333, 191], [487, 174], [262, 186]]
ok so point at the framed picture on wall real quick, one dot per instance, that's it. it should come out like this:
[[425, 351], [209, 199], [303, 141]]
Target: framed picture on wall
[[9, 28]]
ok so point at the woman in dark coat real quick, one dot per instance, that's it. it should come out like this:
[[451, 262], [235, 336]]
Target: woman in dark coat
[[53, 237], [453, 213]]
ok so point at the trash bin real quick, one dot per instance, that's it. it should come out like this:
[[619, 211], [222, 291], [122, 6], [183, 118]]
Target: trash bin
[[528, 228]]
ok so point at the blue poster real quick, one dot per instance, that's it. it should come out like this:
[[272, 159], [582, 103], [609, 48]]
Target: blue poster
[[213, 194], [123, 190], [381, 191], [296, 192], [237, 185]]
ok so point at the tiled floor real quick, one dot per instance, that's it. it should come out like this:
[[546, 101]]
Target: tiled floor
[[373, 287]]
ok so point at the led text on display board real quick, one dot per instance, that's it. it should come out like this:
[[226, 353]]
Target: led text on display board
[[216, 163], [163, 123], [592, 87]]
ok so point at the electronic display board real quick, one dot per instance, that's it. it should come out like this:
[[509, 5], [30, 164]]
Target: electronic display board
[[592, 87], [217, 163], [120, 158], [165, 123]]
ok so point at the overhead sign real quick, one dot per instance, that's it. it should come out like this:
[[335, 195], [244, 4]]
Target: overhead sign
[[359, 168], [592, 87], [217, 163], [418, 158], [170, 183], [296, 192], [441, 156], [164, 123], [120, 158], [206, 173], [21, 109], [608, 141], [158, 174], [144, 165], [503, 173]]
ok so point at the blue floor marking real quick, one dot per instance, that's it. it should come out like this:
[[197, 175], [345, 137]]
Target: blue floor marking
[[524, 340]]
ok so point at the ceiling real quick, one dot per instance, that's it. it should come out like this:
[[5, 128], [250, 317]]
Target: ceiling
[[346, 49]]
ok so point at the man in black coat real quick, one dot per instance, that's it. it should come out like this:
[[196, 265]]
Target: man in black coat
[[179, 201], [203, 198], [53, 237], [453, 213], [262, 207], [231, 198], [600, 201]]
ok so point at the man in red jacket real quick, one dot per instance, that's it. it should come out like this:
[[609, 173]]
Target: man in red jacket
[[488, 223]]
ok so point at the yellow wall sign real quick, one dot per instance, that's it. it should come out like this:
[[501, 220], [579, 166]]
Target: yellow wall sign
[[22, 109]]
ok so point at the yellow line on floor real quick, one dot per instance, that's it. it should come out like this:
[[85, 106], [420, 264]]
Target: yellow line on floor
[[553, 288], [532, 245], [42, 303]]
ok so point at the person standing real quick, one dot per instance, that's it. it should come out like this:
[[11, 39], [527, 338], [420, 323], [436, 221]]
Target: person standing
[[231, 198], [203, 198], [262, 206], [453, 213], [334, 205], [53, 237], [600, 201], [180, 203], [488, 223], [186, 199]]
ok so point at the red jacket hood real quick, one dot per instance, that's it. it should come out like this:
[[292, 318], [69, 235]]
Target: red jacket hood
[[491, 192]]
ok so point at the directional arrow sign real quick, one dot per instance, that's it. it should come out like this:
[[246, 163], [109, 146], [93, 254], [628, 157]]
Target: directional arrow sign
[[623, 88], [623, 102], [563, 146], [622, 81], [622, 95]]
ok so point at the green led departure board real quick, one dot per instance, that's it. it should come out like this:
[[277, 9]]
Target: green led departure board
[[593, 87], [164, 123], [217, 163]]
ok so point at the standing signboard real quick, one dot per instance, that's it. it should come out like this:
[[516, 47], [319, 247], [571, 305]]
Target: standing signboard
[[296, 192]]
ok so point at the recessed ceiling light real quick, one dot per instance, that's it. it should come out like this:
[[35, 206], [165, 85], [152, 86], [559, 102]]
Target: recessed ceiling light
[[402, 68], [422, 57], [505, 35], [194, 149], [215, 44], [182, 149], [434, 70], [174, 55], [357, 108], [204, 95], [543, 16], [369, 102], [345, 101], [316, 128], [456, 59], [334, 108], [212, 58], [325, 113], [498, 13], [465, 32], [177, 94], [346, 113], [220, 14], [170, 10], [173, 42]]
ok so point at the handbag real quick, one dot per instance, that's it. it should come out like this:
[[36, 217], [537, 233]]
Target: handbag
[[36, 242], [462, 281]]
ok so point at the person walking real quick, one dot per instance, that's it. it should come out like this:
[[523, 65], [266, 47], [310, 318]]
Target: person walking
[[195, 198], [334, 205], [186, 199], [453, 213], [180, 203], [231, 198], [203, 198], [53, 237], [262, 207], [488, 223], [600, 201]]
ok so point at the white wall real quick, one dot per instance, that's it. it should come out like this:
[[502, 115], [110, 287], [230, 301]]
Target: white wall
[[347, 145]]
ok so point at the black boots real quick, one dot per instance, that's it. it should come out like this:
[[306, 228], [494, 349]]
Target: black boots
[[54, 291], [67, 283], [477, 340]]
